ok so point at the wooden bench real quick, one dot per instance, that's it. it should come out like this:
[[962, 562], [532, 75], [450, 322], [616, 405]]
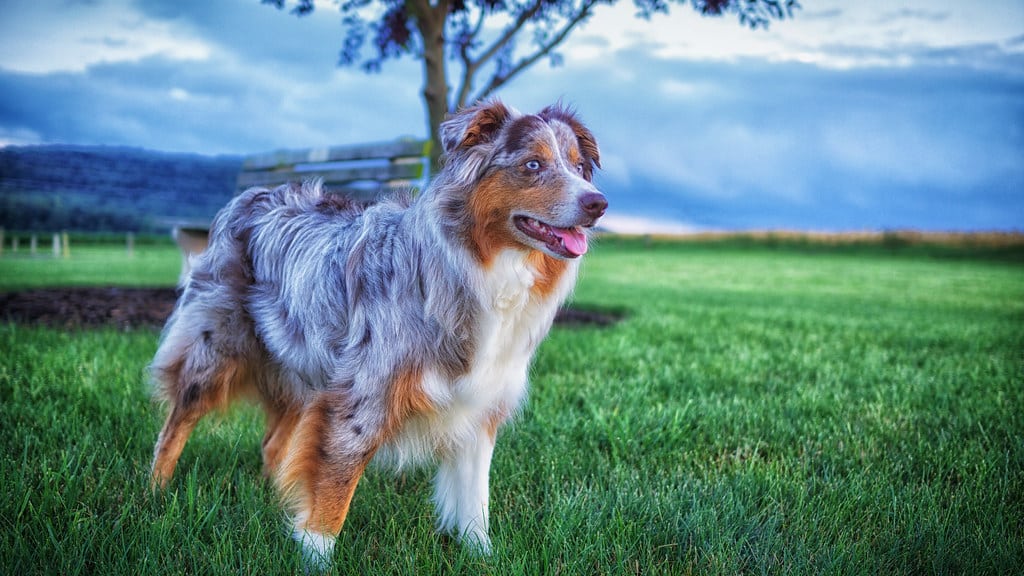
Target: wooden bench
[[362, 171]]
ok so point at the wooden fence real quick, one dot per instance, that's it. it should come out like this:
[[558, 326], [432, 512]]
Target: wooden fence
[[60, 244]]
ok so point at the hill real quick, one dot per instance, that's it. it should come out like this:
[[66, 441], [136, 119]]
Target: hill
[[100, 188]]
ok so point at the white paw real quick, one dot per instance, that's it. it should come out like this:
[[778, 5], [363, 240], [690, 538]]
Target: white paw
[[477, 542], [317, 549]]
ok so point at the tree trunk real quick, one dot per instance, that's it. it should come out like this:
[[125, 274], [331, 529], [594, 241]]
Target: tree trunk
[[431, 21]]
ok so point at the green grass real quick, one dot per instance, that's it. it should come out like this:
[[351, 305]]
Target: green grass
[[92, 264], [759, 410]]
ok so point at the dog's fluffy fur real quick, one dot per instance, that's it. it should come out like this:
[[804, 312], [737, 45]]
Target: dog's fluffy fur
[[400, 331]]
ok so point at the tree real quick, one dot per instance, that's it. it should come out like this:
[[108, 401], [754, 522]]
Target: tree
[[484, 38]]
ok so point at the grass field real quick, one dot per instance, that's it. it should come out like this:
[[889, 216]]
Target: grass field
[[785, 410], [154, 264]]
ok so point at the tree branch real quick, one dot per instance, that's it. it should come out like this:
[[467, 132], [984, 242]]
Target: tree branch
[[469, 68], [471, 65], [499, 79], [510, 32]]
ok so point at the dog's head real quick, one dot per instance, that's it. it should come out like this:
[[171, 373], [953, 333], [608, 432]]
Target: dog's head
[[528, 178]]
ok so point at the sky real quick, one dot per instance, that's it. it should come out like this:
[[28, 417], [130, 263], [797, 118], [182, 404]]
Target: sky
[[868, 115]]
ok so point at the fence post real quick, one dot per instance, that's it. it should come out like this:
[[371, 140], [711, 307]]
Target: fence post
[[67, 244], [1, 241], [56, 245], [131, 244], [33, 245]]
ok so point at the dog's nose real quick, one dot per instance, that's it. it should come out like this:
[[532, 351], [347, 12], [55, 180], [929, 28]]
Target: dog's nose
[[594, 204]]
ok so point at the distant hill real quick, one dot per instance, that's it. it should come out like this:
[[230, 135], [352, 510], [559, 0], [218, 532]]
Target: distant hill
[[100, 188]]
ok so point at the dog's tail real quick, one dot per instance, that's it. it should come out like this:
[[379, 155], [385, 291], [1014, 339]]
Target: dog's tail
[[213, 292]]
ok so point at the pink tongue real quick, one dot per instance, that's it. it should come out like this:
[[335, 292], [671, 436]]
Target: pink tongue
[[574, 239]]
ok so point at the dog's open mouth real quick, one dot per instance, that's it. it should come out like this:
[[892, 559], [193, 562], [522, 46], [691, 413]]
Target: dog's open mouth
[[567, 242]]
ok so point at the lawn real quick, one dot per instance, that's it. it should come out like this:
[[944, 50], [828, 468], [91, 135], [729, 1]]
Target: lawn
[[151, 264], [782, 409]]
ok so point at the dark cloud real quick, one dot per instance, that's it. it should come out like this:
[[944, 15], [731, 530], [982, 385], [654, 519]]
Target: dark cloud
[[261, 35], [209, 107]]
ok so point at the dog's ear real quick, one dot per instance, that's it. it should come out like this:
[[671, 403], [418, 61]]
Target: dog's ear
[[585, 138], [475, 125]]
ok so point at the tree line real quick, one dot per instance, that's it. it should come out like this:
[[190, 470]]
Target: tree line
[[106, 189]]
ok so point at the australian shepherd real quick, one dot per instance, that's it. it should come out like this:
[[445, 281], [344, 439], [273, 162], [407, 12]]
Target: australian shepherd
[[400, 332]]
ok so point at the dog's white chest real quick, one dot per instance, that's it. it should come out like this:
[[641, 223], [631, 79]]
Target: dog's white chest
[[514, 321], [511, 325]]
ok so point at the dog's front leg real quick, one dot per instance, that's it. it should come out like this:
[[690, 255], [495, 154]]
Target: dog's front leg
[[461, 490]]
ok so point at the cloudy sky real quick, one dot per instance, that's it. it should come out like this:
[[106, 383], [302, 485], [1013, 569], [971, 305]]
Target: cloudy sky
[[853, 115]]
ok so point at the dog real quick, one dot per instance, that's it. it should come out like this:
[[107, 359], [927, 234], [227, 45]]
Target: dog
[[400, 331]]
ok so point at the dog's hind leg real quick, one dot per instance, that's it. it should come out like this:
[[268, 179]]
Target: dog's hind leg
[[326, 458], [202, 392], [281, 422], [178, 427]]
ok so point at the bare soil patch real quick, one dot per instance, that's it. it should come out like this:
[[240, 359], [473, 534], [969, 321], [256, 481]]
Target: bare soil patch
[[127, 308]]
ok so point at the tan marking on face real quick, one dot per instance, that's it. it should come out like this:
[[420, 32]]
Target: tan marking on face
[[491, 214], [509, 191]]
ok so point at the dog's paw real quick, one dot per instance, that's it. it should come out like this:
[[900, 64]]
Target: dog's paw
[[317, 550], [477, 542]]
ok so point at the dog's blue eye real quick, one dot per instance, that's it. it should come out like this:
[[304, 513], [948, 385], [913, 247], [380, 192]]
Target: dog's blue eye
[[579, 167], [533, 165]]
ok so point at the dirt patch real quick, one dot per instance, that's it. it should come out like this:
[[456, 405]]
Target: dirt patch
[[126, 308], [580, 317], [69, 308]]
